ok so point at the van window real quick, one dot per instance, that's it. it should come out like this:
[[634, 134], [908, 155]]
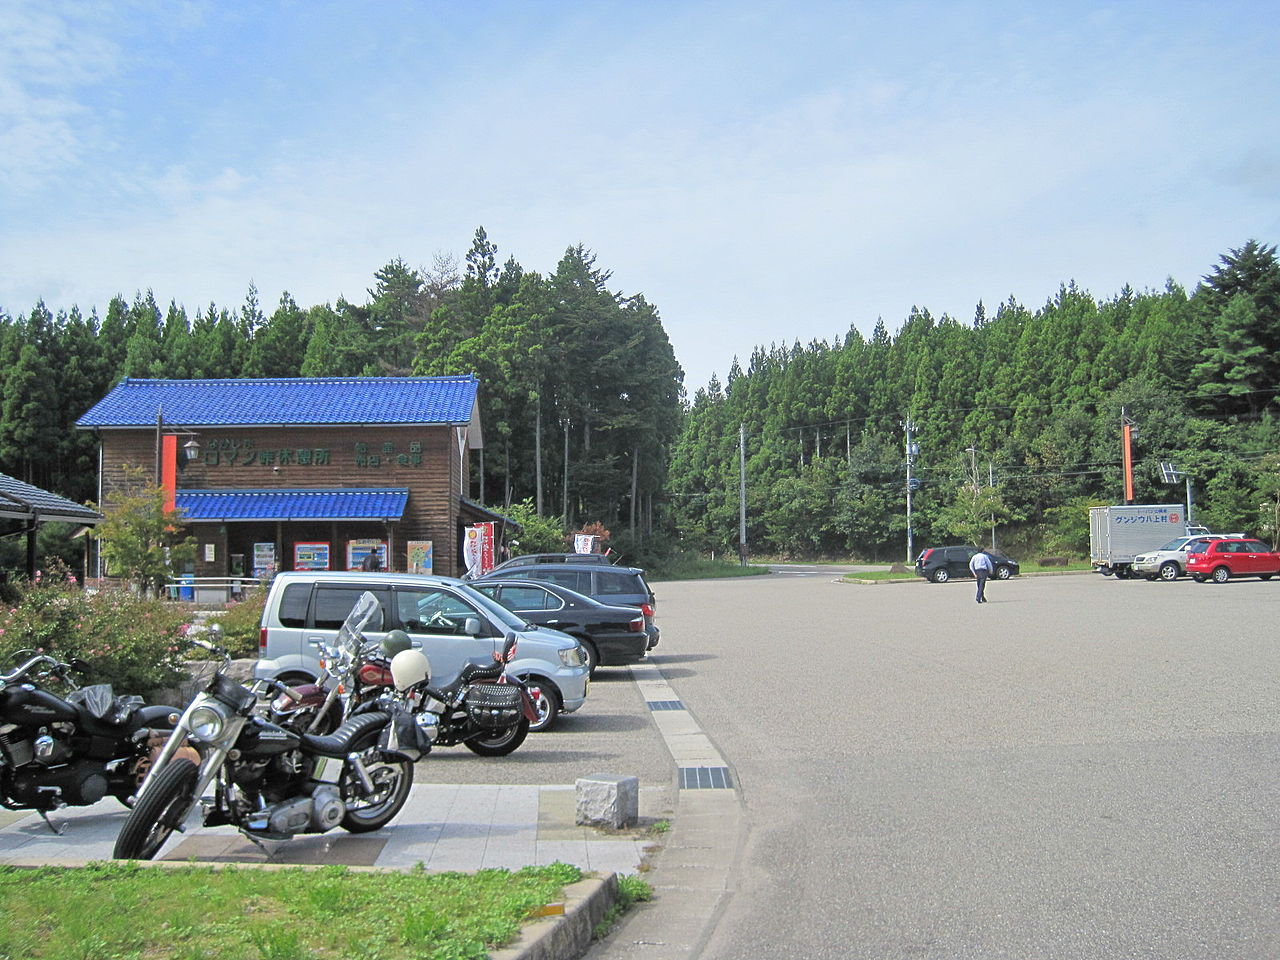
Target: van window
[[579, 580], [334, 602], [619, 583], [293, 605], [431, 610]]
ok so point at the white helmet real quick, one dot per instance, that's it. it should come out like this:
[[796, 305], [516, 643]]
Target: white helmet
[[409, 667]]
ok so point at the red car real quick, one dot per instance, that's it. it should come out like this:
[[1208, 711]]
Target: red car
[[1223, 558]]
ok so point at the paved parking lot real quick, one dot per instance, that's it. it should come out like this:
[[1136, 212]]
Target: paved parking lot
[[1080, 768]]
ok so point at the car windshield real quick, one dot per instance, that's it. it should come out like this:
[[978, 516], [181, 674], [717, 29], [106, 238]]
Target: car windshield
[[1177, 544], [497, 612]]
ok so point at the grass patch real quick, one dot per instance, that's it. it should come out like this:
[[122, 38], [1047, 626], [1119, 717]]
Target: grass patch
[[631, 890], [1076, 565], [698, 568], [127, 912]]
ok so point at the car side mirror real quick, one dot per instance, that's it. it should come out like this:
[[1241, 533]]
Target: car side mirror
[[471, 626]]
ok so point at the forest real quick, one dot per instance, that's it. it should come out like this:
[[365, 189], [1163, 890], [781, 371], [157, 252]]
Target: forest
[[1015, 415]]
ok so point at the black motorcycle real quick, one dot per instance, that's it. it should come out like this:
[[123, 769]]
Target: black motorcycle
[[270, 782], [483, 709], [74, 750]]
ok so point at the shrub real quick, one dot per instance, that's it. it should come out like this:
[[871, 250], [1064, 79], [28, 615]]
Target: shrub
[[133, 643], [241, 621]]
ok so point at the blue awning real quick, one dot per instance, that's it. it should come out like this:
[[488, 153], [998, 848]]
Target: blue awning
[[230, 506]]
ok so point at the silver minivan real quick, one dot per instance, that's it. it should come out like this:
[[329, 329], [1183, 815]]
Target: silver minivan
[[449, 621]]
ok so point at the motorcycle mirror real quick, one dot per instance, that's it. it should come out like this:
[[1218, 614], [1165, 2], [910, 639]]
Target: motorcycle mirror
[[79, 666]]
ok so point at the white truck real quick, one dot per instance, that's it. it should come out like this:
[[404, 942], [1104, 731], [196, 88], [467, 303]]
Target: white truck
[[1119, 534]]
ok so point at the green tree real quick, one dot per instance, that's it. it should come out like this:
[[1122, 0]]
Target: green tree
[[141, 540]]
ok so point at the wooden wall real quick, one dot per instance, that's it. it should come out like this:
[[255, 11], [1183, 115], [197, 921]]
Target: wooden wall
[[425, 459]]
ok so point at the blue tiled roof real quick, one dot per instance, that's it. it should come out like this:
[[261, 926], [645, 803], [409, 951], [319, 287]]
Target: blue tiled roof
[[381, 503], [316, 400], [23, 501]]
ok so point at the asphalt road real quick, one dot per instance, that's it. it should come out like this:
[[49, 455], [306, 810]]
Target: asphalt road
[[1081, 768], [610, 733]]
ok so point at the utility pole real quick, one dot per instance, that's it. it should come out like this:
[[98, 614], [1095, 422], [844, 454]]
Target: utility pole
[[1126, 436], [991, 482], [912, 449], [742, 494]]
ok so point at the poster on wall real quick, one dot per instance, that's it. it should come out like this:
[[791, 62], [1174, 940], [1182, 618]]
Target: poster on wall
[[367, 555], [477, 548], [420, 559], [264, 560], [311, 556]]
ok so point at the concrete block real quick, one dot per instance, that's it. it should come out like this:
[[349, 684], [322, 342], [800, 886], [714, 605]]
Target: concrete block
[[608, 801]]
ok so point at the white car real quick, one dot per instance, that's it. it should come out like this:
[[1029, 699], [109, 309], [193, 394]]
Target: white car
[[1169, 562], [446, 619]]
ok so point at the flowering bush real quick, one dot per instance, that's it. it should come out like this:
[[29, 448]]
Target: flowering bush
[[134, 644], [241, 622]]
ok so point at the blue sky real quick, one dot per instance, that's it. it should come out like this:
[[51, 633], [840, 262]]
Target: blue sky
[[762, 172]]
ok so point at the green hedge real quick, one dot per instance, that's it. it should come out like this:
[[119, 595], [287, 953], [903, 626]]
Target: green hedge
[[134, 643]]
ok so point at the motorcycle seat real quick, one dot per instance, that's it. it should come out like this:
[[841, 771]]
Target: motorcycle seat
[[126, 722], [339, 743], [474, 671]]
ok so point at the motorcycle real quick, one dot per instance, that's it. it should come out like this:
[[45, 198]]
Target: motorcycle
[[483, 709], [270, 782], [57, 752]]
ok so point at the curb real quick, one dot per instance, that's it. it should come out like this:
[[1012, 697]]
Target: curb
[[1037, 573], [568, 936]]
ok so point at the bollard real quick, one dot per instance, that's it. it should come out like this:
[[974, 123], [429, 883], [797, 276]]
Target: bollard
[[606, 800]]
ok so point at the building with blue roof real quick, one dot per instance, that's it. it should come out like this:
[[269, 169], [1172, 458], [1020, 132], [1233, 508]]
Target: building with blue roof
[[301, 473]]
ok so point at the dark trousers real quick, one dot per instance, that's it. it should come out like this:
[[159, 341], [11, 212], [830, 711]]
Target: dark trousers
[[982, 585]]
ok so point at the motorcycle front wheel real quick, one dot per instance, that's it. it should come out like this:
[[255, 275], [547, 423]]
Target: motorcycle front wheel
[[501, 743], [158, 813], [391, 782]]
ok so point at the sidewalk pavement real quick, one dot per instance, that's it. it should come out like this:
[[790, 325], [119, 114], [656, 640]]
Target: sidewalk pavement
[[442, 826], [469, 827]]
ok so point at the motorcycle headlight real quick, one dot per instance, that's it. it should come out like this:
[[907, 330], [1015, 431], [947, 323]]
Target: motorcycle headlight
[[206, 723], [572, 657]]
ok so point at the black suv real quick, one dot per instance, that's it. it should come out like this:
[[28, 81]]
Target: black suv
[[940, 564], [525, 559], [600, 581]]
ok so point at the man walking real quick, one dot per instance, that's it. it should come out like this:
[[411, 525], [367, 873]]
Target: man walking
[[980, 566]]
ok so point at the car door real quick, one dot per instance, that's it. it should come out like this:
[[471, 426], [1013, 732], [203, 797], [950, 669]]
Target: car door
[[958, 561], [1256, 554], [531, 601], [437, 618]]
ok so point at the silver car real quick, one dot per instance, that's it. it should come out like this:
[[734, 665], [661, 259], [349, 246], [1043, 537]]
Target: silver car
[[449, 621], [1168, 562]]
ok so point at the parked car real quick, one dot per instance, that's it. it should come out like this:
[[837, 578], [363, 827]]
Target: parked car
[[1169, 561], [625, 586], [610, 634], [940, 564], [527, 558], [1225, 557], [449, 621]]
